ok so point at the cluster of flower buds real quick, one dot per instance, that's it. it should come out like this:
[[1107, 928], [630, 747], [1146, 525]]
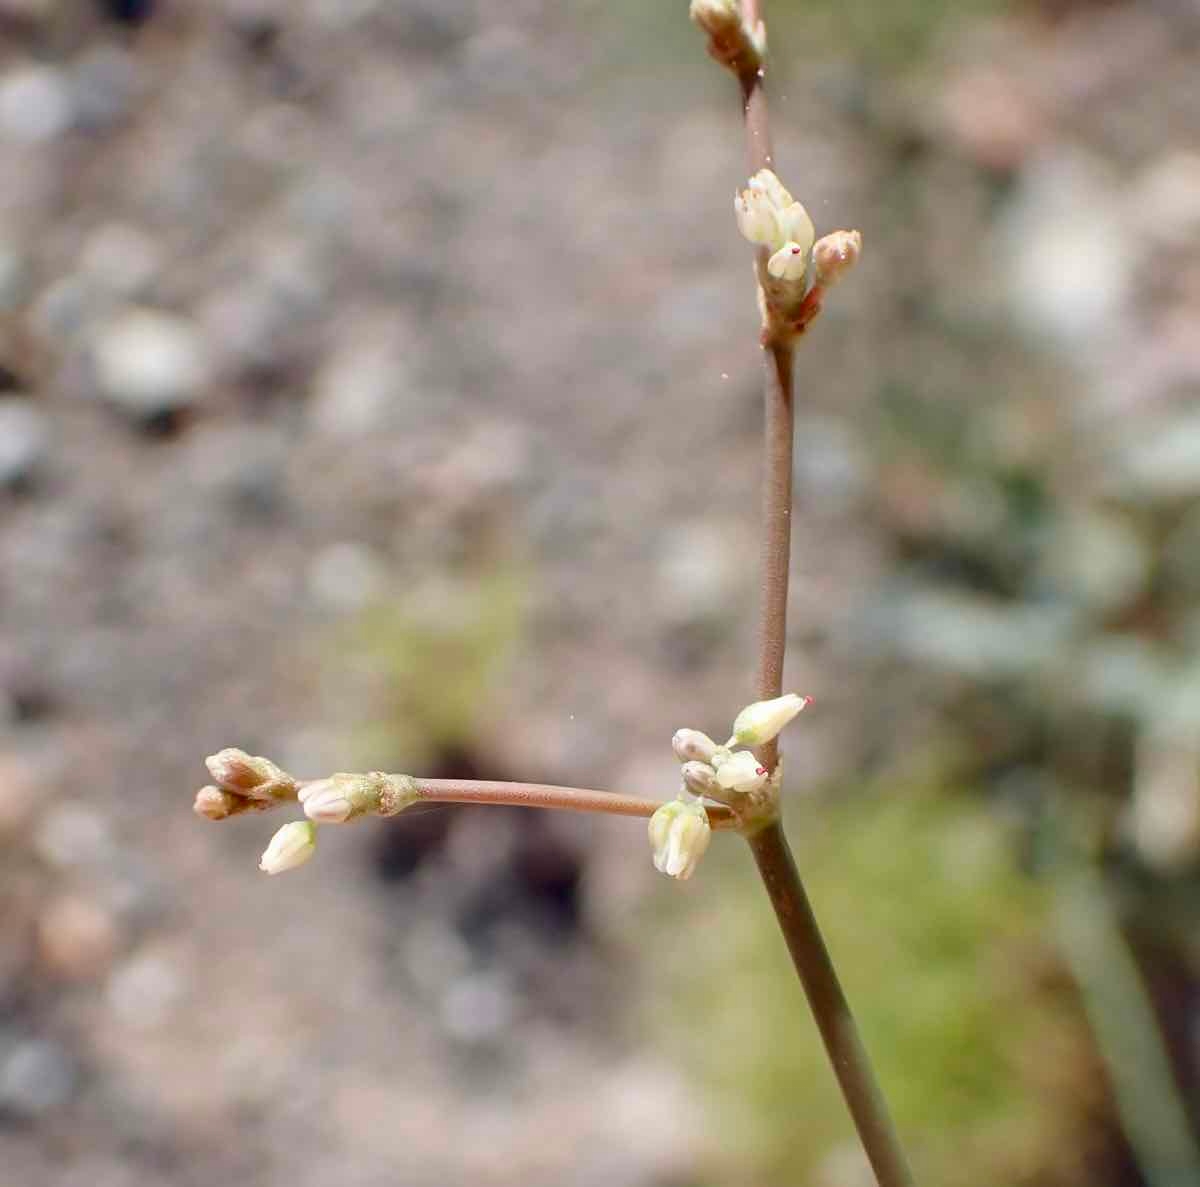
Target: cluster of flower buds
[[680, 831], [248, 783], [769, 216], [732, 41], [799, 266], [243, 783]]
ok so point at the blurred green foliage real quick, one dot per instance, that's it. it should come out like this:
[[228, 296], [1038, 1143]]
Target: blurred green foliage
[[438, 654], [935, 933]]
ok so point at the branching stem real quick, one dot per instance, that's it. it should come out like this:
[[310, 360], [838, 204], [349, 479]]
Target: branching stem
[[849, 1058], [540, 795]]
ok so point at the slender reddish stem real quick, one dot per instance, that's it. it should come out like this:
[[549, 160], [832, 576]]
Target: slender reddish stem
[[778, 422], [540, 795]]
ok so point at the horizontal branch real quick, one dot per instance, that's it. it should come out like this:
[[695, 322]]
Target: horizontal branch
[[540, 795]]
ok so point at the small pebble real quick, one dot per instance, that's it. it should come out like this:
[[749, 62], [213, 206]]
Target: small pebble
[[72, 835], [76, 938], [37, 1077], [35, 104], [149, 363], [24, 437]]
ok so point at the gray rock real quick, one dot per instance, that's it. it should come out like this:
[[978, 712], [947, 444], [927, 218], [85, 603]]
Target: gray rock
[[345, 577], [73, 835], [1069, 278], [30, 12], [105, 85], [699, 573], [35, 104], [14, 277], [144, 992], [62, 309], [478, 1008], [120, 259], [830, 468], [24, 437], [37, 1076]]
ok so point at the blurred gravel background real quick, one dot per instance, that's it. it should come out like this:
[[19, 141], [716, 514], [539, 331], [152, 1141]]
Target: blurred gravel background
[[378, 388]]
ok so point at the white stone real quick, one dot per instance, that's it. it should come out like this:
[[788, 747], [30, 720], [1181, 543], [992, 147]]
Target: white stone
[[149, 362]]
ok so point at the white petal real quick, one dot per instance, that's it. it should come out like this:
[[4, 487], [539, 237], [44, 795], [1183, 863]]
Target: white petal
[[796, 226], [790, 262]]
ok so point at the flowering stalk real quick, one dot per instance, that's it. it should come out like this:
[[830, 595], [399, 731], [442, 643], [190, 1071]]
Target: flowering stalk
[[769, 845], [721, 787], [344, 797]]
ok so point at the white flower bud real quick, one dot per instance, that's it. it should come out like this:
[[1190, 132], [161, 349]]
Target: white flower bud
[[765, 182], [249, 775], [756, 218], [762, 721], [768, 215], [796, 227], [327, 801], [290, 847], [699, 778], [741, 772], [344, 797], [790, 262], [835, 254], [692, 745], [679, 834]]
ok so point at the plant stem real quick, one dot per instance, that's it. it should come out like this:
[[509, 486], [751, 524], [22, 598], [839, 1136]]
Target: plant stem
[[540, 795], [778, 420], [773, 856], [849, 1058]]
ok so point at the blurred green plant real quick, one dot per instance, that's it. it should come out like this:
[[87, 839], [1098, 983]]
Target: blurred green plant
[[921, 893], [439, 653]]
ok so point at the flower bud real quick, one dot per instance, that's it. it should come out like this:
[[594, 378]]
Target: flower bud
[[835, 254], [741, 772], [790, 262], [290, 847], [679, 834], [731, 41], [329, 801], [250, 775], [214, 804], [692, 745], [768, 215], [718, 18], [765, 182], [344, 797], [700, 779], [796, 226], [756, 218], [762, 721]]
